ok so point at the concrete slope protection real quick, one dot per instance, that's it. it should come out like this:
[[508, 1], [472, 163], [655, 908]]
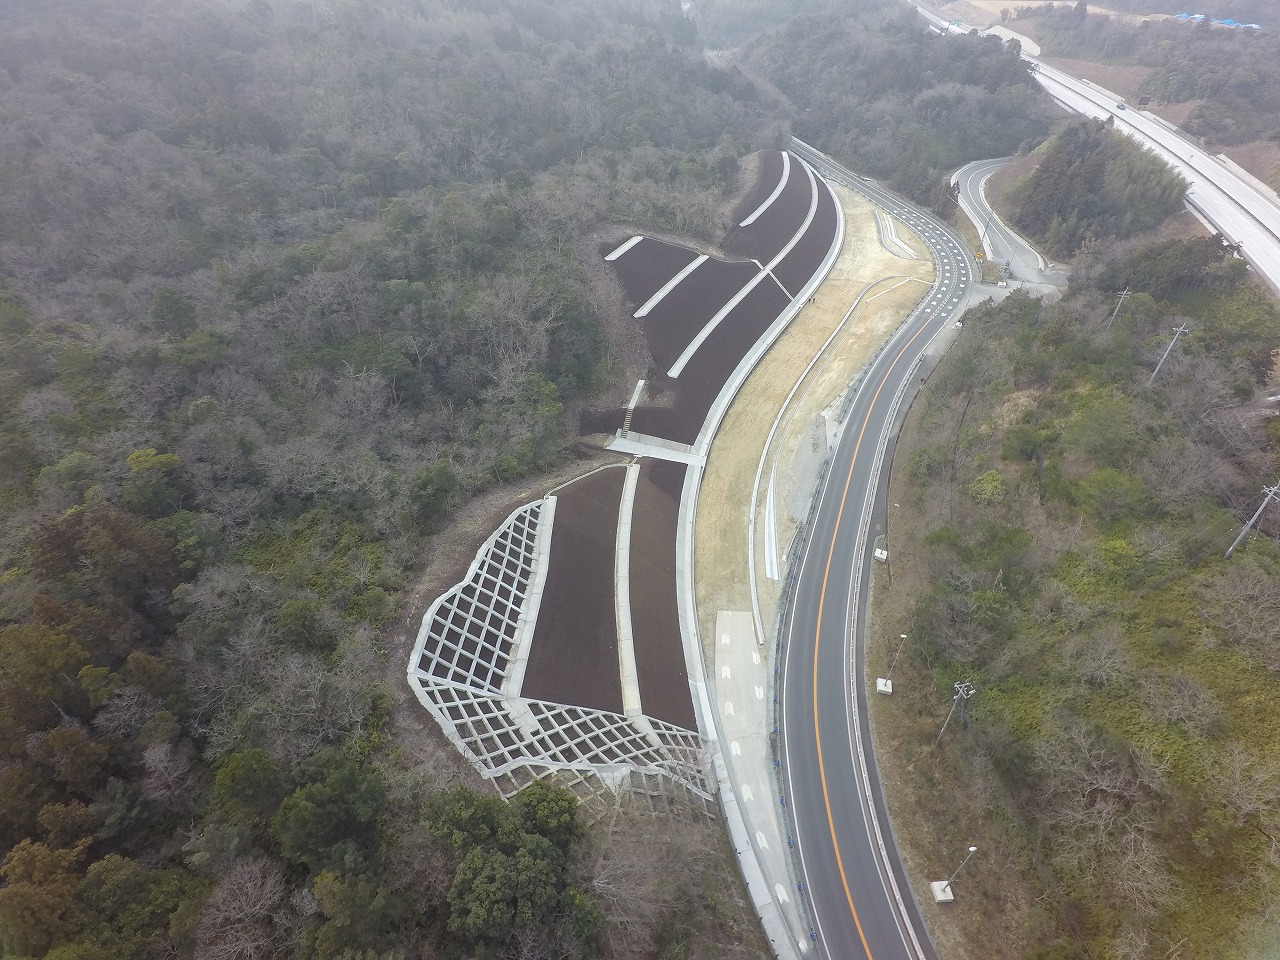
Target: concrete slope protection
[[701, 315], [858, 890]]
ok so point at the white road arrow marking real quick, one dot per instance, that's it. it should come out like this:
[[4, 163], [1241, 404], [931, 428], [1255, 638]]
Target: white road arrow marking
[[734, 749], [724, 639], [724, 672], [781, 891], [760, 839], [728, 708], [755, 657], [759, 693], [746, 793]]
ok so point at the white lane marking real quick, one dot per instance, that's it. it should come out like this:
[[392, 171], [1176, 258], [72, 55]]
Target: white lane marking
[[710, 326], [770, 532]]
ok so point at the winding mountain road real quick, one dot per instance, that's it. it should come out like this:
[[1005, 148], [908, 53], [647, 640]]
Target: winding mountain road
[[1000, 243], [859, 892]]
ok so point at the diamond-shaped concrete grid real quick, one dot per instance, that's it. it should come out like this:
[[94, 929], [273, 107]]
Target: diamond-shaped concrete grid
[[470, 646]]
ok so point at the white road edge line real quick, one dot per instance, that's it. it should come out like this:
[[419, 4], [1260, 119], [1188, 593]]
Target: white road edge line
[[528, 619], [623, 248], [770, 531], [710, 326]]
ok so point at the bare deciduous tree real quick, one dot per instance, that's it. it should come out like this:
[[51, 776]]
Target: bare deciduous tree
[[247, 917], [1101, 657], [125, 713], [171, 773]]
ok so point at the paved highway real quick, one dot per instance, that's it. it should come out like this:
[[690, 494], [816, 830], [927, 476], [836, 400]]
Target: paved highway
[[1239, 210], [1246, 215], [1000, 244], [859, 893]]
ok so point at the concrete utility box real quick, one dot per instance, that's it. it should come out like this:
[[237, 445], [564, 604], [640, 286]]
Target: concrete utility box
[[881, 549]]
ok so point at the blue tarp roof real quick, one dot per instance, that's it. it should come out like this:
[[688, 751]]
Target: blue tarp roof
[[1226, 22]]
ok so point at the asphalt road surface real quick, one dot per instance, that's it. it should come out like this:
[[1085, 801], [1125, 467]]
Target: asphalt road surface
[[1001, 245], [859, 893], [1240, 211], [1244, 214]]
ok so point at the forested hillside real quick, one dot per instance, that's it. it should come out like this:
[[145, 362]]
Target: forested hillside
[[1120, 750], [724, 24], [1092, 183], [878, 90], [283, 284]]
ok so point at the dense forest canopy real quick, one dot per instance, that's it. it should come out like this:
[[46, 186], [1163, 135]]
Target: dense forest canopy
[[1092, 183], [724, 24], [880, 91], [284, 282]]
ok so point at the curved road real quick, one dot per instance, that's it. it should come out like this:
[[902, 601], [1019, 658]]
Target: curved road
[[999, 243], [859, 892], [1246, 215]]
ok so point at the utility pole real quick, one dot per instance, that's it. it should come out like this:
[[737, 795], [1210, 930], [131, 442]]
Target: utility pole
[[964, 690], [1270, 492], [1177, 332], [1123, 294]]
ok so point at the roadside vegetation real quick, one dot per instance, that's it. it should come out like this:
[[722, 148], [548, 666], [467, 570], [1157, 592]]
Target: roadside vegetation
[[1119, 755], [1093, 184]]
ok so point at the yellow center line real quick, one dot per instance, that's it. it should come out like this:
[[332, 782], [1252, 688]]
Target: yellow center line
[[817, 642]]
